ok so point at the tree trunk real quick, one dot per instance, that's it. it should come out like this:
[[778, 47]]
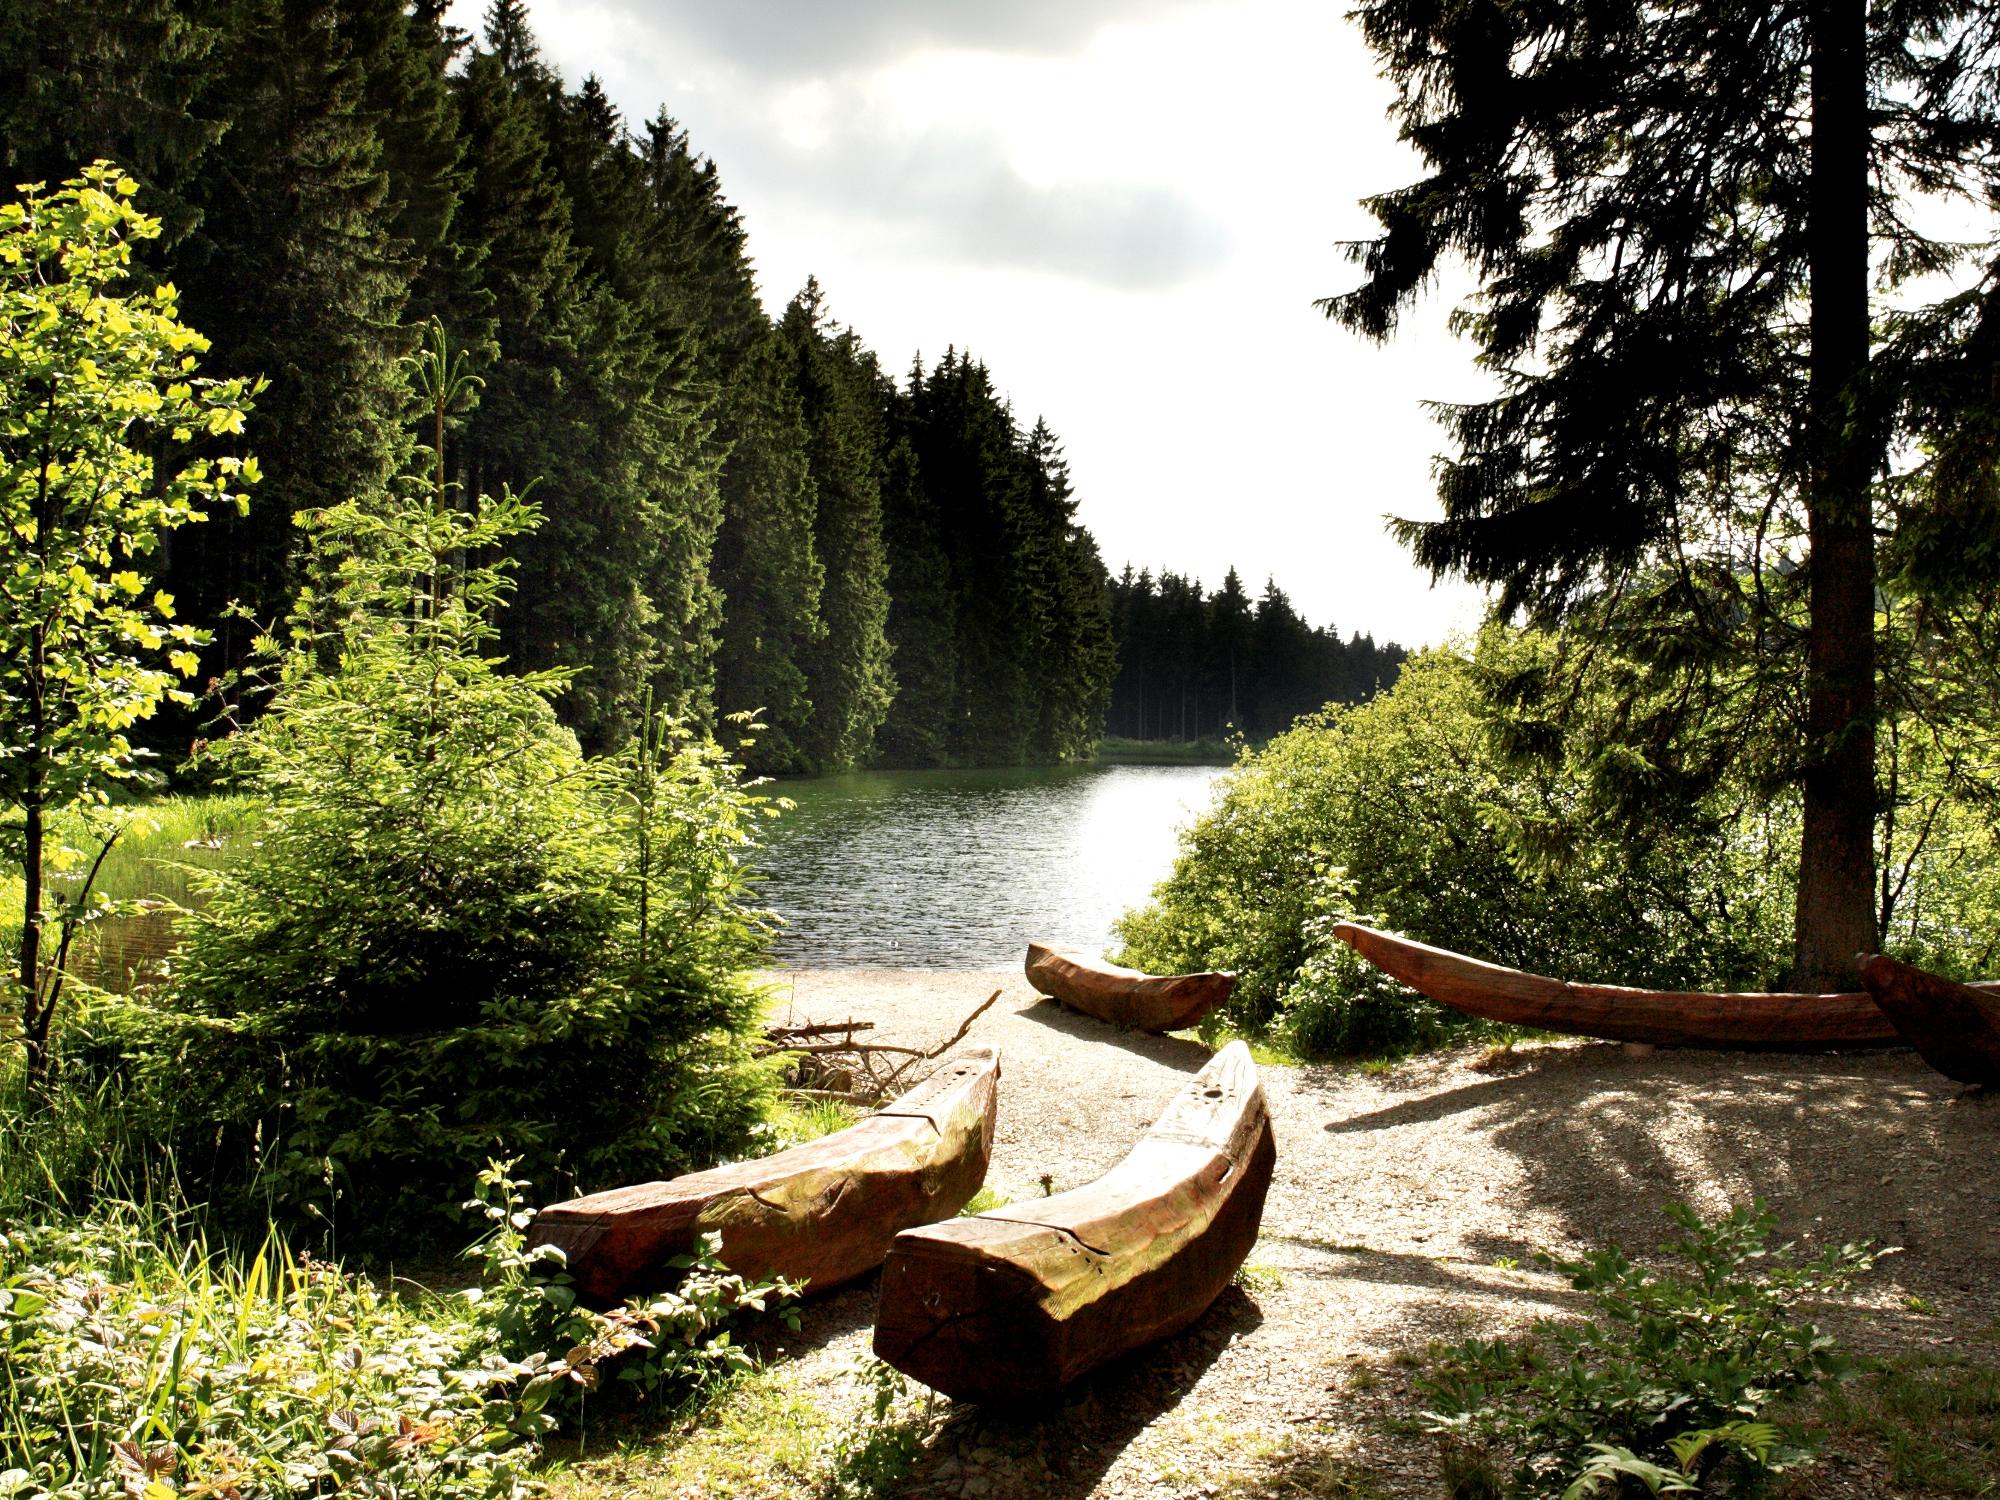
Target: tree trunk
[[34, 1022], [1835, 919]]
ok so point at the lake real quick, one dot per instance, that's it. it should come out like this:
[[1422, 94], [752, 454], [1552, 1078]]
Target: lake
[[885, 869], [959, 869]]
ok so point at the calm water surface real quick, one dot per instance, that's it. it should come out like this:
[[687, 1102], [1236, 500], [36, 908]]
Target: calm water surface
[[959, 869]]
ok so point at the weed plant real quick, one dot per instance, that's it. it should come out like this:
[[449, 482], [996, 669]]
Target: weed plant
[[872, 1458], [1932, 1422], [137, 1361], [1669, 1386], [792, 1121]]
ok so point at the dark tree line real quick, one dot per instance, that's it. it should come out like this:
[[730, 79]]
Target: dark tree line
[[739, 512], [1192, 666]]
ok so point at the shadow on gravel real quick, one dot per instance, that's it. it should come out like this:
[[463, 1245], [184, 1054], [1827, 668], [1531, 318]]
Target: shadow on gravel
[[1169, 1051], [1062, 1448], [1430, 1107], [1841, 1148], [1856, 1147], [823, 1320]]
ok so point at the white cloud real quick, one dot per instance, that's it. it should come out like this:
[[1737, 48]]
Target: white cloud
[[818, 37], [1127, 210]]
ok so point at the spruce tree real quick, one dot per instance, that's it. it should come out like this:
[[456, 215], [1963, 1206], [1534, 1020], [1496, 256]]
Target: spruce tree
[[763, 557], [847, 666], [1227, 661], [922, 622], [132, 81], [641, 501], [968, 457], [1072, 654], [1673, 213], [299, 277], [405, 53], [770, 577]]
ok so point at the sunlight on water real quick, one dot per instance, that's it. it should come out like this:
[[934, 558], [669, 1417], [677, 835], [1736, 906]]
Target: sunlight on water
[[959, 869]]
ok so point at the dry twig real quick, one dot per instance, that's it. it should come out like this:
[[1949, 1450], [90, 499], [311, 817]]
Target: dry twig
[[869, 1071]]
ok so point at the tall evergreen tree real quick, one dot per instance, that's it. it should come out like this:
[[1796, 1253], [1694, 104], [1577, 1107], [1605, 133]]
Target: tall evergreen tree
[[847, 667], [133, 81], [1228, 656], [1073, 656], [590, 393], [649, 491], [405, 52], [967, 456], [298, 275], [922, 624], [1674, 212], [765, 562], [771, 578]]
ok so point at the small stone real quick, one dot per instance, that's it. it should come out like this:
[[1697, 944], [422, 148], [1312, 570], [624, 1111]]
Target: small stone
[[978, 1484], [985, 1454]]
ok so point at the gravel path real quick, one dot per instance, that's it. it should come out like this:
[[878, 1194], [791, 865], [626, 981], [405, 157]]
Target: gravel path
[[1401, 1203]]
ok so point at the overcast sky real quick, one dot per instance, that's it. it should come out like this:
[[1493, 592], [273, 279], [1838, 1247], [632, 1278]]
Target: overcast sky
[[1126, 209]]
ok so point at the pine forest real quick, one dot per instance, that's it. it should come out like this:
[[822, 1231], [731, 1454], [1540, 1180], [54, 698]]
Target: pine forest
[[740, 514]]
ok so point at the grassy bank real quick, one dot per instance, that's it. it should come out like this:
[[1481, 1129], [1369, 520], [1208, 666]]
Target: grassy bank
[[158, 858]]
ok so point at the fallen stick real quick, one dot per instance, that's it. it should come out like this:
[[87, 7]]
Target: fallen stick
[[826, 1028], [820, 1049], [870, 1081], [895, 1077], [963, 1027]]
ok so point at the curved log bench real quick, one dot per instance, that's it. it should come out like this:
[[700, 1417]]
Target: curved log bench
[[1125, 997], [1954, 1027], [1022, 1300], [822, 1213], [1766, 1022]]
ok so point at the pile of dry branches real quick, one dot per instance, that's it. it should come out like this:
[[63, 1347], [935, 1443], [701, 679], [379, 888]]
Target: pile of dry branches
[[830, 1060]]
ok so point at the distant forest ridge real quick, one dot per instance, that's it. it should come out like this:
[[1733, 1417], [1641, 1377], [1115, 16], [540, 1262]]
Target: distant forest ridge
[[1194, 666], [738, 511]]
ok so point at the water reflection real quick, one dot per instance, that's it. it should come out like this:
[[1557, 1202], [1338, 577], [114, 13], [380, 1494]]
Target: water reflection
[[959, 869]]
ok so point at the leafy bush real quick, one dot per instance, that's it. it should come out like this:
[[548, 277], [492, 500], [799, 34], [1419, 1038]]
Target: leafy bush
[[457, 938], [1404, 813], [135, 1362], [1670, 1382], [100, 408], [676, 1342]]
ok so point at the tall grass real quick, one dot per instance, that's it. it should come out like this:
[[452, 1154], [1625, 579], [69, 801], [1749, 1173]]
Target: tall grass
[[159, 859], [71, 1148], [138, 1358], [139, 1361]]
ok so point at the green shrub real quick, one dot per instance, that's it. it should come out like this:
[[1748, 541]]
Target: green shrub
[[133, 1361], [674, 1344], [457, 938], [1670, 1383], [101, 413], [1404, 813]]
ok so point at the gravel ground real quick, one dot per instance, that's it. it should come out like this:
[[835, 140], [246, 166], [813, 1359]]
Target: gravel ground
[[1400, 1204]]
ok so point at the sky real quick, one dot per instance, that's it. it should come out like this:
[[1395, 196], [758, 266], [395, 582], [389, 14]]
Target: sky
[[1126, 209]]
